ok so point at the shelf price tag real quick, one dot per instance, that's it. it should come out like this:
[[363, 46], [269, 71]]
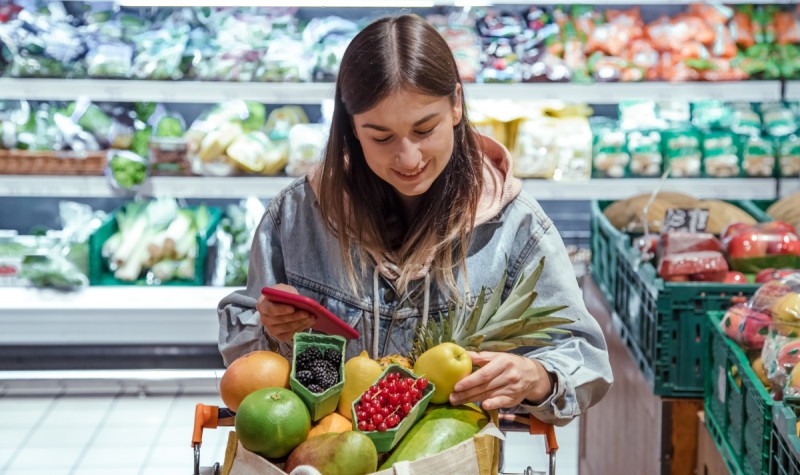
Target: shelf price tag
[[693, 220]]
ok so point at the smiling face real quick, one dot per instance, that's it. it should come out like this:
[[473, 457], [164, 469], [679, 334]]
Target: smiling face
[[407, 139]]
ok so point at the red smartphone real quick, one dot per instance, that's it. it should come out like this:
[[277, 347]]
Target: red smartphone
[[326, 321]]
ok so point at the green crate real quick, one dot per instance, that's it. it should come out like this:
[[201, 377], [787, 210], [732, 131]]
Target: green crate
[[664, 323], [100, 274], [785, 448], [605, 239], [319, 405], [757, 209], [385, 441], [738, 408]]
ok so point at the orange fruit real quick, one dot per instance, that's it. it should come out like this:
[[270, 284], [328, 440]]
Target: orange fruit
[[253, 371], [272, 422], [333, 422]]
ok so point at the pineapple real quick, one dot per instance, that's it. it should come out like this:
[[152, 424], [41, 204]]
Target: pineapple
[[493, 325], [394, 359]]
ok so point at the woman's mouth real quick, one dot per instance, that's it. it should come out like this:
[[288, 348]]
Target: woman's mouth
[[413, 174]]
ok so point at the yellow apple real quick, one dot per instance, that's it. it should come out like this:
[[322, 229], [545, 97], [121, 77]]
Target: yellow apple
[[444, 365], [794, 378], [787, 309], [758, 368]]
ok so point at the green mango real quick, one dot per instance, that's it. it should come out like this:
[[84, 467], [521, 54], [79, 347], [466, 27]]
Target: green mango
[[346, 453], [439, 429]]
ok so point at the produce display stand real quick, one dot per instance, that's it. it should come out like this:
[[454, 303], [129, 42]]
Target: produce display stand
[[211, 417]]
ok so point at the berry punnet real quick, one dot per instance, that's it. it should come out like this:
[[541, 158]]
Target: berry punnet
[[318, 371], [385, 404]]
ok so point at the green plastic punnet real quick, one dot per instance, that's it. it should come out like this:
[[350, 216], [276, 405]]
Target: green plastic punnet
[[319, 405], [385, 441]]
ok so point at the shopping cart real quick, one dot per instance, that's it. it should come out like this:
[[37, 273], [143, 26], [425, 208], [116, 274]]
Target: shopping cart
[[211, 417]]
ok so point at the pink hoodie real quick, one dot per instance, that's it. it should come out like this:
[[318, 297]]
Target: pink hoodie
[[500, 187]]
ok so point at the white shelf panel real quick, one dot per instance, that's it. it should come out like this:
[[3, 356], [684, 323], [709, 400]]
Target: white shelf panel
[[314, 93], [110, 315], [789, 186], [268, 187], [164, 91], [612, 189], [793, 90]]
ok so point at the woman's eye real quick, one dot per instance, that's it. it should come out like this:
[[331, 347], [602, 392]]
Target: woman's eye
[[382, 140], [423, 133]]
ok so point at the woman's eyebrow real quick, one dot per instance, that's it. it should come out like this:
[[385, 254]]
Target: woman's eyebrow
[[384, 129]]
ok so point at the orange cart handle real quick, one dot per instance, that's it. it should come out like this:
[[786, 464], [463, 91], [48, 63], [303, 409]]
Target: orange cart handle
[[547, 430], [204, 416]]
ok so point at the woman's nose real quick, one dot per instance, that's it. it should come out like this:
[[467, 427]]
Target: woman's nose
[[408, 156]]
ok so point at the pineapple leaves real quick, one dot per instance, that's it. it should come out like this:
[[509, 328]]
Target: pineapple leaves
[[471, 325], [494, 301]]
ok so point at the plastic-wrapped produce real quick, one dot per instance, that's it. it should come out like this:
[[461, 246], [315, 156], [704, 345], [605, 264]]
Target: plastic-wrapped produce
[[328, 38], [168, 149], [779, 121], [306, 143], [692, 263], [682, 152], [746, 120], [41, 45], [721, 154], [712, 114], [286, 60], [789, 156], [610, 154], [758, 157], [645, 151], [640, 115], [159, 53]]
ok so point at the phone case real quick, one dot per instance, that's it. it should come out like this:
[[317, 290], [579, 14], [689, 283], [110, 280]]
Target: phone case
[[326, 321]]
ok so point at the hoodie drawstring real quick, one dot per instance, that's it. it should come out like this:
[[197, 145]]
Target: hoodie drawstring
[[426, 300], [376, 310], [376, 314]]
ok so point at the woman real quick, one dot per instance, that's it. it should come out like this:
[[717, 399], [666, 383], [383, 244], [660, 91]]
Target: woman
[[409, 209]]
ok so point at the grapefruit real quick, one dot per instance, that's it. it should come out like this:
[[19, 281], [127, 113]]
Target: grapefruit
[[272, 422], [253, 371]]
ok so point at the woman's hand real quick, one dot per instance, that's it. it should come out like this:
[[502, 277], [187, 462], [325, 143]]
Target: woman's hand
[[282, 321], [503, 380]]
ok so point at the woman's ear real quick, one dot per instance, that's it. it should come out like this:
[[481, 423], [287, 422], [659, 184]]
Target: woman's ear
[[458, 111]]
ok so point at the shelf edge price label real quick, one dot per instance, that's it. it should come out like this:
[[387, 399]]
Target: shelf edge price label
[[693, 220]]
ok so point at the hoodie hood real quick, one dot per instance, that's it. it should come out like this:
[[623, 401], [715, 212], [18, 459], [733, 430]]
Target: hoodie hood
[[500, 187]]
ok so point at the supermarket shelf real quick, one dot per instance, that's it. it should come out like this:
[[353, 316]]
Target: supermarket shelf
[[314, 93], [792, 92], [268, 187], [612, 189], [789, 186], [110, 315]]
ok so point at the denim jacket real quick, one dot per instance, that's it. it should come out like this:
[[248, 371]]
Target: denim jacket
[[293, 246]]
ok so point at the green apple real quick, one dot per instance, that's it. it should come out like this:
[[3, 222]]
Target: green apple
[[444, 365]]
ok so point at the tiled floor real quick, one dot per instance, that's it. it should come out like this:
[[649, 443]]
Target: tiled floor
[[117, 429]]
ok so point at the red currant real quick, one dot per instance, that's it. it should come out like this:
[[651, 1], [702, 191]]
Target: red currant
[[422, 383], [415, 394], [382, 427], [377, 418], [372, 410], [409, 382], [392, 420], [370, 427], [402, 386], [407, 407], [362, 416], [362, 426], [385, 411], [394, 399]]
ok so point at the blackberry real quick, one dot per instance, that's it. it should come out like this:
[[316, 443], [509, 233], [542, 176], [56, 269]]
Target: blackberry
[[308, 356], [324, 372], [305, 377], [315, 388], [334, 356]]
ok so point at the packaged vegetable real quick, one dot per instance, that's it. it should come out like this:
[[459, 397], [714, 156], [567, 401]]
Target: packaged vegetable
[[677, 242], [721, 154], [126, 170], [682, 152], [712, 114], [645, 152], [254, 152], [691, 263], [611, 157], [779, 121], [758, 157], [789, 156], [306, 145], [110, 59], [746, 120], [769, 245]]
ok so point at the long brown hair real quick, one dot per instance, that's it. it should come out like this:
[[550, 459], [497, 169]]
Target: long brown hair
[[392, 54]]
